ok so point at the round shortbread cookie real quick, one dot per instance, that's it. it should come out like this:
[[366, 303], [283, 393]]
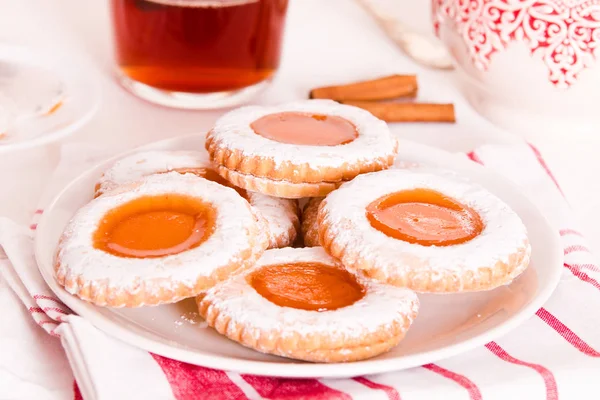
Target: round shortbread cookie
[[103, 278], [239, 150], [368, 327], [498, 254]]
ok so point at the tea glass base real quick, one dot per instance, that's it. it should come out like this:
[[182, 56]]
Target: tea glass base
[[192, 101]]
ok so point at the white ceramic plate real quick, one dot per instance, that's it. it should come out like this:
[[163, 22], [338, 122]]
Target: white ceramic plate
[[447, 324], [23, 128]]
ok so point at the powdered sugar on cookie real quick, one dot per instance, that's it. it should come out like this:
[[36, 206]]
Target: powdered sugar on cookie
[[145, 163], [496, 256], [280, 215], [374, 139], [380, 307], [90, 272]]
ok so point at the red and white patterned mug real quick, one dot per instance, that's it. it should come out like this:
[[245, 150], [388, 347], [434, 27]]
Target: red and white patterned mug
[[526, 64]]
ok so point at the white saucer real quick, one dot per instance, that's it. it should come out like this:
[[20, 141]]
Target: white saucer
[[447, 324], [43, 98]]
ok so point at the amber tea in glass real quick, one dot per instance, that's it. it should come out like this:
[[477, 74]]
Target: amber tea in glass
[[197, 53]]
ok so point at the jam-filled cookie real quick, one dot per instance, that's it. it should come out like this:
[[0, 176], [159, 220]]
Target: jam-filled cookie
[[310, 223], [281, 215], [427, 232], [157, 240], [302, 304], [303, 149]]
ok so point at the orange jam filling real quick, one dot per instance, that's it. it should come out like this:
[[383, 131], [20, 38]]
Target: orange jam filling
[[308, 286], [213, 176], [305, 129], [424, 217], [155, 226], [54, 108]]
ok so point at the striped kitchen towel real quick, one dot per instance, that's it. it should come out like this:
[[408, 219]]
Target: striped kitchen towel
[[553, 355]]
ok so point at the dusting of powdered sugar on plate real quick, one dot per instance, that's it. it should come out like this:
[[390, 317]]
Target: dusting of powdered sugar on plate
[[374, 141], [188, 314], [381, 306], [503, 236]]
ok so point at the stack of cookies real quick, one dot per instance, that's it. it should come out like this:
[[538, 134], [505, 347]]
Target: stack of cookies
[[223, 226]]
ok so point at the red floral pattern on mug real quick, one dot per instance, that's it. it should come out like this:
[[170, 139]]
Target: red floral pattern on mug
[[563, 34]]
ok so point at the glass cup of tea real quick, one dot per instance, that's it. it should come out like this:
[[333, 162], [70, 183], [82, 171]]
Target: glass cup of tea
[[197, 54]]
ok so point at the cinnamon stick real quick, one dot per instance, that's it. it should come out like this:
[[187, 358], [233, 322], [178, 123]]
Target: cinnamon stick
[[408, 112], [388, 87]]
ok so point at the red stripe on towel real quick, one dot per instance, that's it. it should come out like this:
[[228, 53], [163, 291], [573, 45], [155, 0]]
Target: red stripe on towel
[[41, 321], [543, 164], [55, 309], [565, 232], [43, 297], [591, 267], [59, 307], [191, 382], [547, 376], [583, 276], [391, 393], [474, 157], [53, 333], [576, 247], [287, 389], [76, 393], [566, 333], [472, 389]]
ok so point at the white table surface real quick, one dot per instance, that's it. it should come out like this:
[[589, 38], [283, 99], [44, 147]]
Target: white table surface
[[326, 42]]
